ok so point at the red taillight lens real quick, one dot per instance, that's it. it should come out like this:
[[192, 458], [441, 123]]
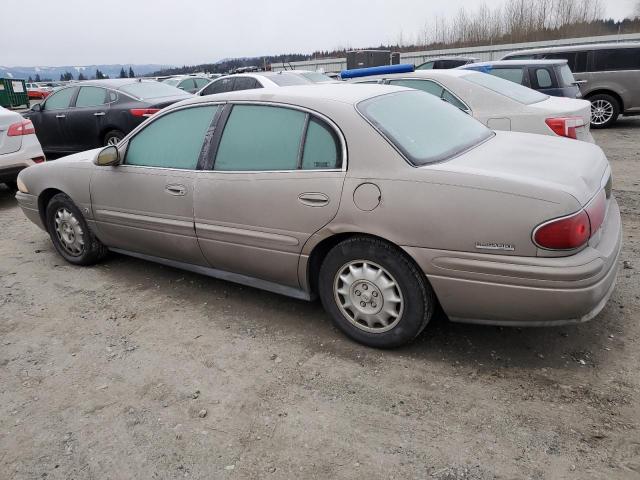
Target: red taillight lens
[[564, 233], [24, 127], [143, 112], [38, 159], [565, 126], [596, 210]]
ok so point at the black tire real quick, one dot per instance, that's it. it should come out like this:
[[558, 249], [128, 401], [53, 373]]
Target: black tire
[[92, 249], [612, 107], [113, 137], [13, 186], [418, 300]]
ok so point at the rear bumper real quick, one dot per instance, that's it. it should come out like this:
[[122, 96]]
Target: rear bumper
[[526, 291], [12, 163]]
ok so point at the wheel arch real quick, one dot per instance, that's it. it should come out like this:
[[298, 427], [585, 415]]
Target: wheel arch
[[107, 129], [604, 91], [43, 200]]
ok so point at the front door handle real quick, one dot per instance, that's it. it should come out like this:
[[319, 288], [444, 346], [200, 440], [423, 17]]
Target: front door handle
[[98, 114], [61, 116], [177, 190], [313, 199]]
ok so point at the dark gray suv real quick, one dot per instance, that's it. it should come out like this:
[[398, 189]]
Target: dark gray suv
[[608, 74]]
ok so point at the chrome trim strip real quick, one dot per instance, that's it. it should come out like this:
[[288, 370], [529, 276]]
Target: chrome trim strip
[[252, 234], [223, 275], [114, 215]]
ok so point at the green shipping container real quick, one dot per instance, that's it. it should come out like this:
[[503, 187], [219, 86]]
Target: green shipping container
[[13, 93]]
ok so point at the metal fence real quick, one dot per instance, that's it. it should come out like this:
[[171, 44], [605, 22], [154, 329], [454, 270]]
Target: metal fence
[[484, 53]]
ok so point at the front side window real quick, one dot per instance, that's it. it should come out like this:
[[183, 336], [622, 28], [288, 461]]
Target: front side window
[[219, 86], [187, 84], [506, 88], [543, 78], [267, 138], [172, 141], [91, 97], [200, 82], [515, 75], [60, 99], [567, 75], [424, 128], [425, 66]]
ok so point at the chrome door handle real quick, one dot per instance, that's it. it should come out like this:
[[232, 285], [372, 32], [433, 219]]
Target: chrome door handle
[[177, 190], [98, 114], [61, 116], [313, 199]]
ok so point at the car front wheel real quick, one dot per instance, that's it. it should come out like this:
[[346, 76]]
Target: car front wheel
[[604, 110], [374, 293], [70, 233]]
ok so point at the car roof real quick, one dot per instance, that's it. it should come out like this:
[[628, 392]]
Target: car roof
[[497, 63], [452, 72], [113, 83], [577, 48], [450, 57], [301, 94]]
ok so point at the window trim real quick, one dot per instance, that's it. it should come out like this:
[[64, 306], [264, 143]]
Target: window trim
[[199, 166], [310, 113], [468, 108]]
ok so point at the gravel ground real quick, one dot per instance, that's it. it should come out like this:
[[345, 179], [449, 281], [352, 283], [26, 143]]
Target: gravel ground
[[133, 370]]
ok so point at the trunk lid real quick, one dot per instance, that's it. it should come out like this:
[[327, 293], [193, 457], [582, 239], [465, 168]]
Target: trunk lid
[[528, 164], [555, 107], [9, 144]]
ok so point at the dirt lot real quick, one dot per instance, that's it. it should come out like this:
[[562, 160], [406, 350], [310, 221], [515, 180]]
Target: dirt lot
[[105, 373]]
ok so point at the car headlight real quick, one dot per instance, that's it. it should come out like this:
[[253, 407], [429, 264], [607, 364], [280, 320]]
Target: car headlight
[[22, 187]]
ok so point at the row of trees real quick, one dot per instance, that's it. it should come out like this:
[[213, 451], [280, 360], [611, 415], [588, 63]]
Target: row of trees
[[123, 74], [67, 76]]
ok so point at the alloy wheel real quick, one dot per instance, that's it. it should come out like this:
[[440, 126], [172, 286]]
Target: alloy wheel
[[368, 296], [113, 140], [69, 232], [601, 112]]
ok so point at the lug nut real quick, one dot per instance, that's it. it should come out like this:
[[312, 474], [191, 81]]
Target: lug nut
[[373, 304], [362, 304], [358, 293], [375, 294], [365, 287]]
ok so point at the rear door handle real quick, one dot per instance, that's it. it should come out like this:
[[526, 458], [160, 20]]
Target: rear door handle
[[61, 116], [98, 114], [177, 190], [313, 199]]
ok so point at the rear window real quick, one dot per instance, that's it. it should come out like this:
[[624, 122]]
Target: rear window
[[616, 59], [423, 127], [509, 89], [172, 81], [145, 90], [284, 80], [567, 75]]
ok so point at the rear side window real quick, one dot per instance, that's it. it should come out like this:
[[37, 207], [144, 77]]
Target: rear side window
[[200, 82], [616, 59], [150, 89], [187, 84], [276, 141], [285, 80], [424, 128], [173, 140], [511, 90], [424, 85], [219, 86], [91, 97], [246, 83], [60, 99], [543, 78], [425, 66], [515, 75]]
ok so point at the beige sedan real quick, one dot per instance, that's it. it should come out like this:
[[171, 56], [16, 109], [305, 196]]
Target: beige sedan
[[383, 201]]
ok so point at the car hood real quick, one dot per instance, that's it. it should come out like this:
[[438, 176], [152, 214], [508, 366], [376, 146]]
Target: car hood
[[533, 165]]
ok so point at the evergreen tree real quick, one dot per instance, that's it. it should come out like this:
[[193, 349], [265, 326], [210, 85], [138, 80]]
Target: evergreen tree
[[99, 74], [131, 74], [123, 74], [30, 79], [81, 77], [37, 77]]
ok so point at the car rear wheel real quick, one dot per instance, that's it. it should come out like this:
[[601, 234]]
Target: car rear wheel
[[604, 110], [374, 293], [70, 233], [113, 137]]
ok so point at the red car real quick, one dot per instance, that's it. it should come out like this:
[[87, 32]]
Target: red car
[[35, 91]]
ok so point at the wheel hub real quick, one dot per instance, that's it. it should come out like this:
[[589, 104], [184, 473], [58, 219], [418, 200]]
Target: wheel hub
[[366, 297], [69, 232]]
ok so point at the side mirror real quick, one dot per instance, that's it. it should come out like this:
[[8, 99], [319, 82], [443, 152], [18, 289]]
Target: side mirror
[[36, 108], [108, 157]]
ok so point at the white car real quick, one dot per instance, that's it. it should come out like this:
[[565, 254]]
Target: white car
[[19, 146], [249, 81], [498, 103]]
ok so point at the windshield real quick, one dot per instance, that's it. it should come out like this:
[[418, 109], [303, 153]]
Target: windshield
[[146, 90], [567, 75], [316, 77], [423, 127], [285, 79], [172, 81], [509, 89]]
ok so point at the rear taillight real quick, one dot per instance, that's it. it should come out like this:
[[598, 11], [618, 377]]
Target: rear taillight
[[569, 233], [25, 127], [143, 112], [38, 159], [565, 126]]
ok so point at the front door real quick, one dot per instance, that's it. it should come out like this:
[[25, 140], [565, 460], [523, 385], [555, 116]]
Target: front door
[[50, 122], [145, 205], [86, 120], [276, 180]]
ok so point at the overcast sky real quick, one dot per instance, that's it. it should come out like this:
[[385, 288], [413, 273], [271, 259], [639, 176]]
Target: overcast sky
[[79, 32]]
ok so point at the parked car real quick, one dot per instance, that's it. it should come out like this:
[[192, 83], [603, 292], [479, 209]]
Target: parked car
[[189, 84], [19, 146], [35, 91], [440, 63], [250, 81], [98, 112], [608, 74], [425, 206], [498, 103], [551, 77]]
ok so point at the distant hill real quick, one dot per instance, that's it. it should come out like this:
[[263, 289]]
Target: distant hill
[[88, 71]]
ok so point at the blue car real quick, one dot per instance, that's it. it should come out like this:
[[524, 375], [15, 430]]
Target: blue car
[[553, 77]]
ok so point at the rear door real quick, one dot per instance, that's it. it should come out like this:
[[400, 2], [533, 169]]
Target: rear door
[[145, 205], [276, 180], [86, 119], [617, 70], [50, 122]]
